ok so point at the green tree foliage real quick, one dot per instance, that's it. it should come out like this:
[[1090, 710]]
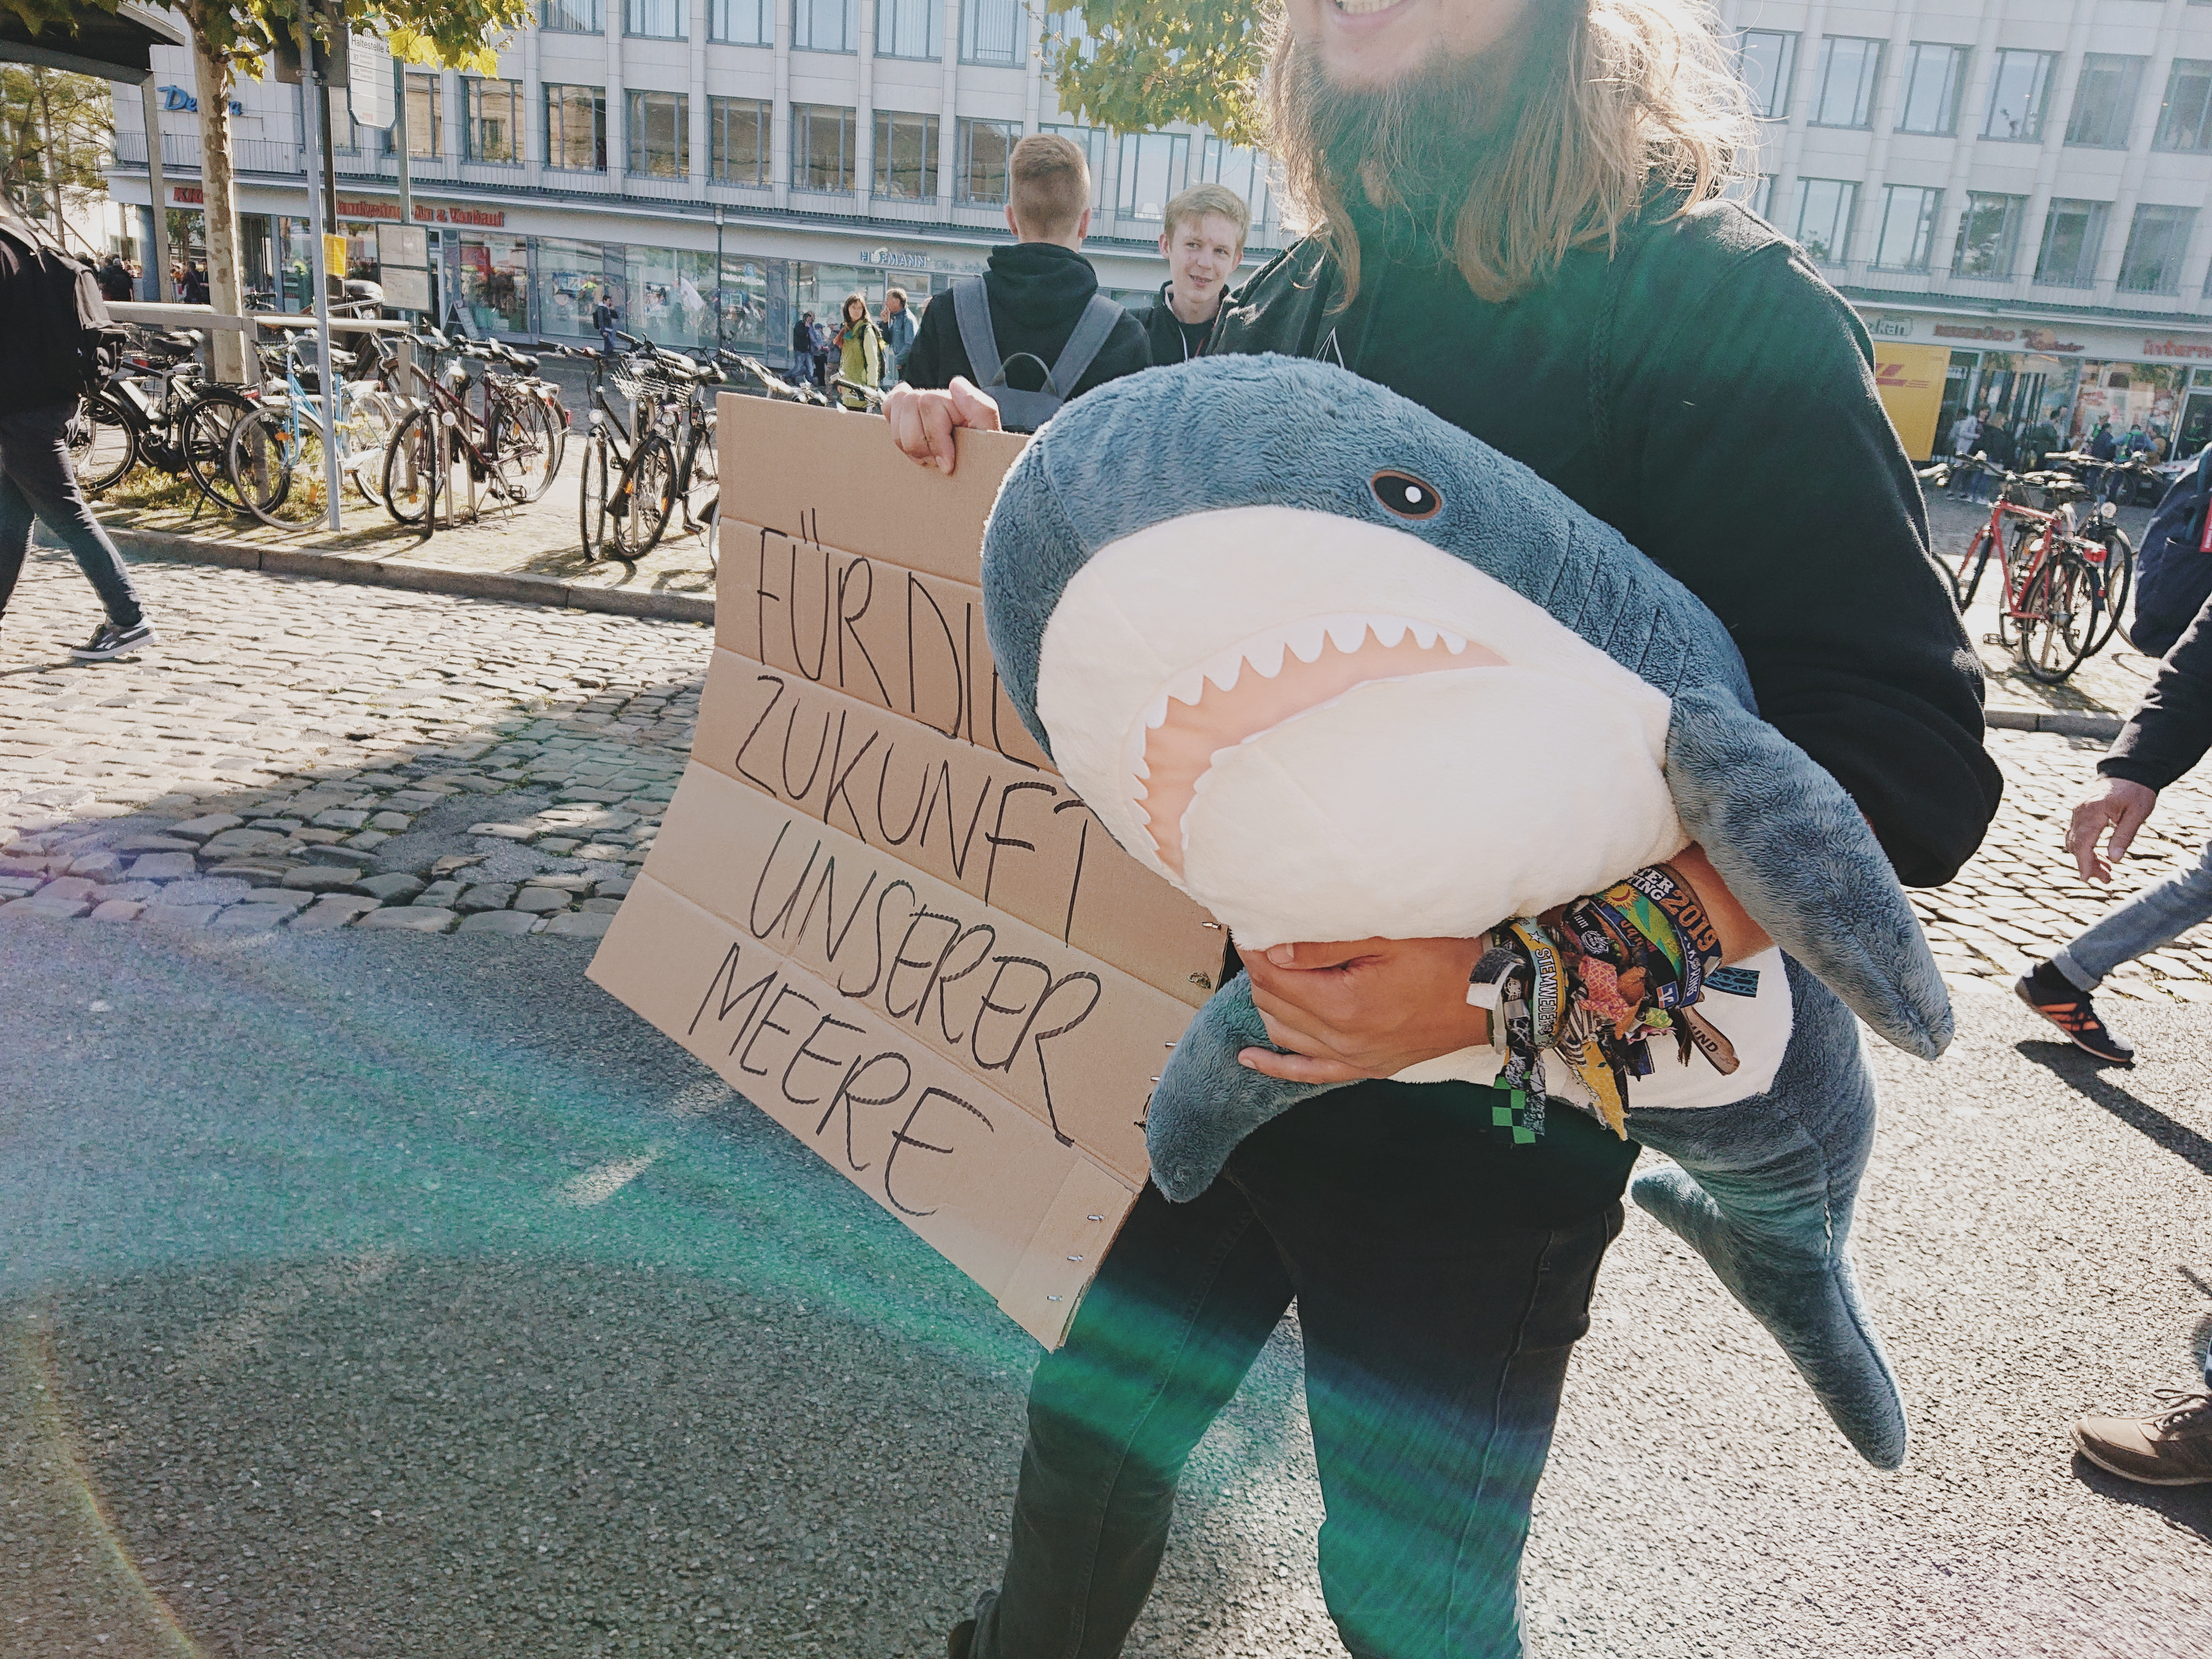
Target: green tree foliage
[[1133, 65], [55, 131]]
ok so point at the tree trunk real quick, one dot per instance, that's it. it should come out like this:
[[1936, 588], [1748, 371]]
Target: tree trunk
[[226, 290]]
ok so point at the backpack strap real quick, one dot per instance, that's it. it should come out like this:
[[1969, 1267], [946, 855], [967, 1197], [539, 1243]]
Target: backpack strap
[[971, 309], [1093, 330]]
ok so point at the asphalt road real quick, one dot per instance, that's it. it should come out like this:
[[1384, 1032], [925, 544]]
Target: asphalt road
[[410, 1298]]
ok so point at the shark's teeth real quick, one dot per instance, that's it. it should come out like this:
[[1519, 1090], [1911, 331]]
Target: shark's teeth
[[1424, 636], [1226, 673], [1188, 687], [1388, 629], [1307, 639], [1348, 633], [1156, 716], [1267, 657], [1453, 643]]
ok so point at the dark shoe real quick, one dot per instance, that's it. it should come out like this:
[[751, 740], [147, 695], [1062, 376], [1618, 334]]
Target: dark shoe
[[2171, 1447], [108, 641], [963, 1638], [2066, 1005]]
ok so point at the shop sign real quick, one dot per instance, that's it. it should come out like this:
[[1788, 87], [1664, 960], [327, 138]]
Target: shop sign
[[883, 256], [2177, 348], [1891, 328], [426, 215], [190, 193], [2031, 339], [176, 101]]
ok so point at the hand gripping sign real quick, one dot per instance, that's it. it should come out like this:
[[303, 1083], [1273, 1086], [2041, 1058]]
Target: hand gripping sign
[[875, 909]]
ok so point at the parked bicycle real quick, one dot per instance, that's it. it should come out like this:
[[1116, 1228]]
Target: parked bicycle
[[512, 444], [275, 456], [2060, 579], [158, 409], [635, 471]]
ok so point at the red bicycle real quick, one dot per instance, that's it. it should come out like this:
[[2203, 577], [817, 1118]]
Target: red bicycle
[[2053, 614]]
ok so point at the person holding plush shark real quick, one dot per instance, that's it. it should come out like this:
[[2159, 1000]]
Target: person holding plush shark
[[1594, 679]]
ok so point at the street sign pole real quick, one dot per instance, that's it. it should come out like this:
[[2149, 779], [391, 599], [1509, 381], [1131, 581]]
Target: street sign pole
[[311, 88]]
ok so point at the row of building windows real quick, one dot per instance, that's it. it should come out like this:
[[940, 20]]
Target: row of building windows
[[1989, 232], [2020, 87], [990, 30], [824, 156]]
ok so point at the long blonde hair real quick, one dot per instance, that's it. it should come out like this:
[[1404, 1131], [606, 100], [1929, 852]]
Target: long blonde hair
[[1613, 103]]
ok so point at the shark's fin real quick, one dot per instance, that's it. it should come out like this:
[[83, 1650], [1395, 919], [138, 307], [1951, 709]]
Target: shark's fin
[[1204, 1103], [1800, 858]]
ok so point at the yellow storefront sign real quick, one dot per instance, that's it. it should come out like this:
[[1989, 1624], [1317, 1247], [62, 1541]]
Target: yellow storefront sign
[[1910, 378]]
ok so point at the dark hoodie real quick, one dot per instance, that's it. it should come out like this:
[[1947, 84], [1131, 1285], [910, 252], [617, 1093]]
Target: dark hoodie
[[1037, 291]]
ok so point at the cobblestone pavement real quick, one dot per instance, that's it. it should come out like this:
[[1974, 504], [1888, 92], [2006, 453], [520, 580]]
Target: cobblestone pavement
[[312, 755]]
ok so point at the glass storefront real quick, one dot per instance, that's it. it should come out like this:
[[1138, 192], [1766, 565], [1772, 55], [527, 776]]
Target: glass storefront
[[493, 285], [570, 276]]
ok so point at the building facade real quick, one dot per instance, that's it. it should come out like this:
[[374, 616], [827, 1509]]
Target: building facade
[[2011, 192], [720, 166]]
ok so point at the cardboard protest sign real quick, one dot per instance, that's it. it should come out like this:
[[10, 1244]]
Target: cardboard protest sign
[[874, 908]]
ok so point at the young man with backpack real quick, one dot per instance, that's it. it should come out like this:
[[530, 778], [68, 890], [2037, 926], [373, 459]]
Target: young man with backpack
[[55, 343], [1039, 303], [1203, 245]]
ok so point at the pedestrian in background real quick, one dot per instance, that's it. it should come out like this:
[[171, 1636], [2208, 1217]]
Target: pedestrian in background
[[1966, 436], [802, 346], [897, 329], [604, 317], [38, 399], [2167, 736], [114, 279], [860, 350], [2042, 439], [1203, 245]]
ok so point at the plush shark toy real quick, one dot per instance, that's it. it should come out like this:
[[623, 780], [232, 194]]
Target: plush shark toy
[[1339, 670]]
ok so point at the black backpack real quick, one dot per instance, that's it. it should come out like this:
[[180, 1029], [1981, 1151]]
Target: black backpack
[[2173, 568], [78, 345]]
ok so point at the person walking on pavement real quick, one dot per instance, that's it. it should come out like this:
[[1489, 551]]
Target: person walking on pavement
[[1441, 1284], [859, 349], [37, 482], [802, 346], [897, 329], [2167, 736], [604, 317], [818, 347], [1203, 245], [2041, 440], [1966, 438]]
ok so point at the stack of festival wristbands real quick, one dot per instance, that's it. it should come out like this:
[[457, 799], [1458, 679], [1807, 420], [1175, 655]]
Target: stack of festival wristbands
[[1594, 981]]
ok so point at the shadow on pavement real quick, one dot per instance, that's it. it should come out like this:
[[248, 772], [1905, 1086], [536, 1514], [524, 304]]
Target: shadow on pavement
[[2185, 1509], [2081, 1073]]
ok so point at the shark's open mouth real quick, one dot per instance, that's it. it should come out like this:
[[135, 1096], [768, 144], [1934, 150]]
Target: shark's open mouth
[[1255, 686]]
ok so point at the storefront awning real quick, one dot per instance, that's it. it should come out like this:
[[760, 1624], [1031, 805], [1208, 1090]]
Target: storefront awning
[[115, 46]]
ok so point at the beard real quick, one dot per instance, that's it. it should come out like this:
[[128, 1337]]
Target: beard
[[1419, 143]]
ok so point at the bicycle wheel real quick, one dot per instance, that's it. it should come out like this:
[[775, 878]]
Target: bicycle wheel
[[644, 498], [365, 439], [103, 445], [1967, 580], [2117, 579], [545, 441], [2063, 610], [261, 456], [411, 477], [205, 428], [2020, 556], [592, 497], [527, 457]]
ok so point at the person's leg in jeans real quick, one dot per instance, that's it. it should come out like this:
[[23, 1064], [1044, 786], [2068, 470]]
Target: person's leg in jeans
[[2157, 915], [37, 483], [1187, 1298], [1433, 1383]]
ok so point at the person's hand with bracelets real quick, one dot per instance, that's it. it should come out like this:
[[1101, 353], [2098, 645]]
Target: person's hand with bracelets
[[1370, 1008]]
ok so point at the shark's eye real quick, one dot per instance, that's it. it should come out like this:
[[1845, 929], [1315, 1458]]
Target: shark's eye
[[1403, 493]]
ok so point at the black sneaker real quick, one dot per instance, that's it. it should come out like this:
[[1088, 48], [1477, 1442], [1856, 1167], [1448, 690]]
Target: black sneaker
[[2066, 1005], [109, 641]]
